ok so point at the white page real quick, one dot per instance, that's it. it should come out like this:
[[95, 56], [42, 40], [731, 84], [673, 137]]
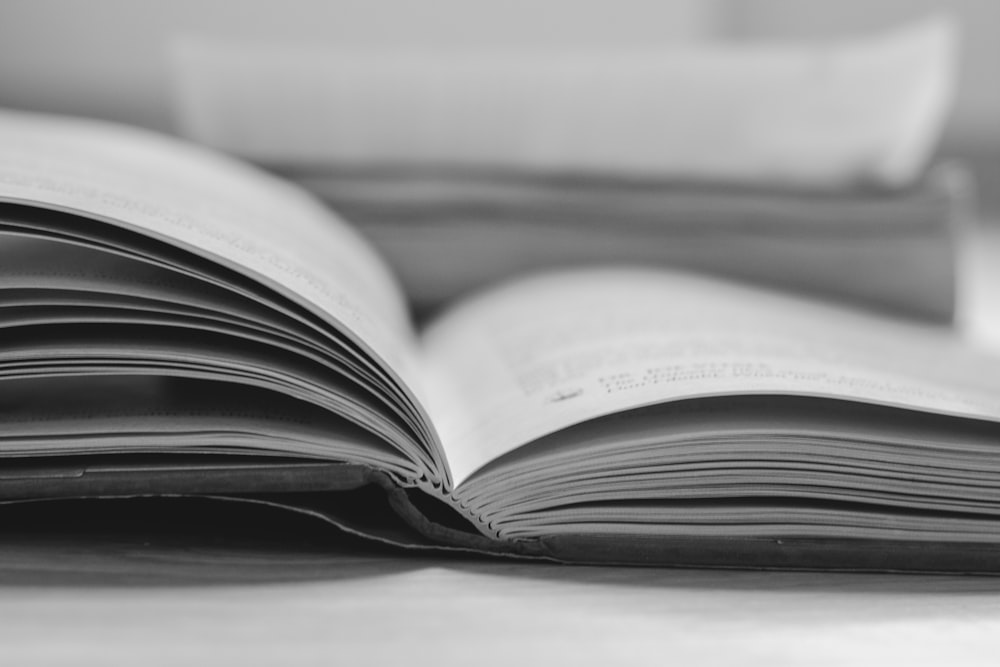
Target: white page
[[546, 353], [214, 206]]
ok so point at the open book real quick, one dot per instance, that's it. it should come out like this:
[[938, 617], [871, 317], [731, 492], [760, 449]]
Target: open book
[[175, 322]]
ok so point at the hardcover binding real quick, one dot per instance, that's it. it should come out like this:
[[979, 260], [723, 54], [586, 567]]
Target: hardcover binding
[[358, 499]]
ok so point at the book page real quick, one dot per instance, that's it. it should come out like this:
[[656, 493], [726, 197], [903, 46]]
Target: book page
[[215, 207], [548, 352], [137, 413]]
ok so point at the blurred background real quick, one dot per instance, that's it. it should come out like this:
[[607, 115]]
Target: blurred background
[[109, 59], [105, 58]]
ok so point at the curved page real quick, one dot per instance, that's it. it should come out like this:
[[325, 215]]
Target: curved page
[[552, 351]]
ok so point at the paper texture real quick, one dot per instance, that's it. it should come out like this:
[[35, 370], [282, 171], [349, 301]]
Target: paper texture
[[211, 206], [335, 329], [543, 354]]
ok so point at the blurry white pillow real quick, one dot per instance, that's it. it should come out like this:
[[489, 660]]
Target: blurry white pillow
[[816, 115]]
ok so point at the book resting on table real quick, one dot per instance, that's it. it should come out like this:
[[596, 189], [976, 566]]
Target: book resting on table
[[174, 321]]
